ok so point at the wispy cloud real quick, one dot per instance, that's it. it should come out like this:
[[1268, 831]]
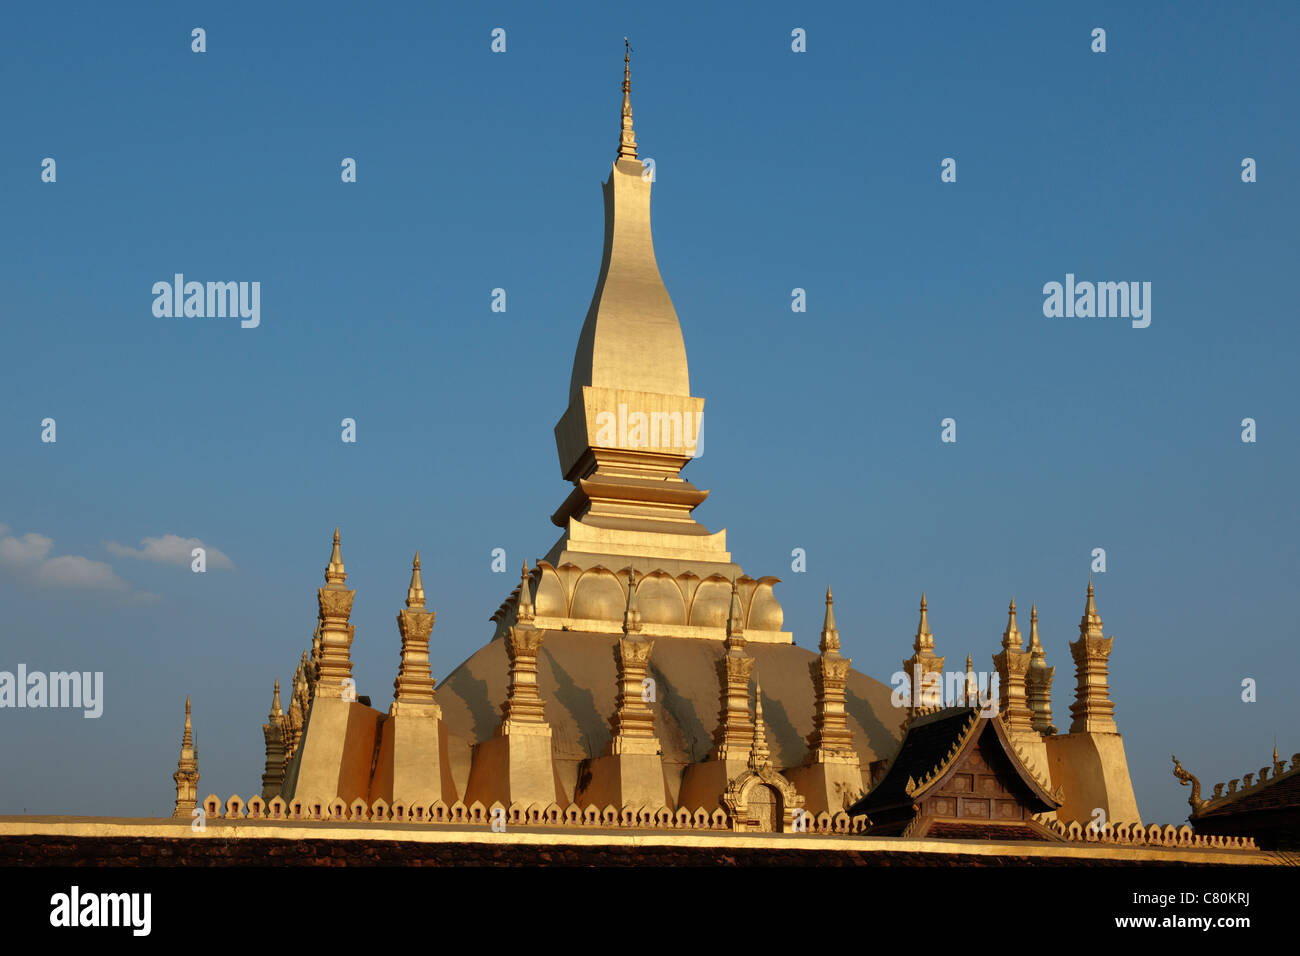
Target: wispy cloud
[[29, 555], [170, 549]]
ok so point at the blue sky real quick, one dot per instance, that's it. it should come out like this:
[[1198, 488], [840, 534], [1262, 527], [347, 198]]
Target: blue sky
[[774, 170]]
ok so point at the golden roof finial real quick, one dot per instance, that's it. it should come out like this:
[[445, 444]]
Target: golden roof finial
[[1090, 625], [924, 639], [189, 751], [830, 633], [631, 616], [627, 139], [335, 573], [415, 593], [276, 711], [525, 613], [1011, 636], [1035, 644], [735, 624], [759, 755]]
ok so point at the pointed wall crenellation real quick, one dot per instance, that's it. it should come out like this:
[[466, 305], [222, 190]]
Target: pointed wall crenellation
[[187, 771], [1092, 710]]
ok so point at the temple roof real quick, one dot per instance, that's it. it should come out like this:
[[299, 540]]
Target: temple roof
[[933, 745]]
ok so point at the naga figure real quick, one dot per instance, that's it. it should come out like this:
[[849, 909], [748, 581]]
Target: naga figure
[[1186, 778]]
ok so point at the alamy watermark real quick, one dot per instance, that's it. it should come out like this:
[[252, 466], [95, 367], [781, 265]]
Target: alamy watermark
[[953, 689], [626, 428], [75, 908], [1102, 300], [84, 690], [212, 300]]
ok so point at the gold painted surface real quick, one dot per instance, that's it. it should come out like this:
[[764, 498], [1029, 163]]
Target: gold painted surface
[[578, 677]]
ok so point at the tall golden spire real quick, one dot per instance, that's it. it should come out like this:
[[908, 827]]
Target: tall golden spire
[[273, 732], [633, 724], [1092, 710], [1038, 680], [923, 661], [523, 710], [831, 740], [1012, 663], [733, 737], [334, 602], [631, 424], [187, 770], [627, 139], [413, 687]]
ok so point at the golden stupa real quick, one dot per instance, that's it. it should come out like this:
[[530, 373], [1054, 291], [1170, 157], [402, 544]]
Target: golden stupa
[[638, 667]]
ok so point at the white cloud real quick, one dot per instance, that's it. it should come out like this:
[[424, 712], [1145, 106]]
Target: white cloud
[[25, 552], [30, 554], [170, 549], [75, 572]]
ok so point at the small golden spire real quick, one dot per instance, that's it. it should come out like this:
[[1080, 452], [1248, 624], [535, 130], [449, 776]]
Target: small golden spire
[[1035, 645], [924, 639], [525, 614], [735, 625], [759, 756], [335, 573], [187, 738], [1090, 625], [1011, 636], [631, 616], [627, 139], [415, 593], [275, 701], [830, 634]]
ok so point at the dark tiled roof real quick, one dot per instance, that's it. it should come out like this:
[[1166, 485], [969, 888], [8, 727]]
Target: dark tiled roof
[[926, 745], [1280, 793]]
